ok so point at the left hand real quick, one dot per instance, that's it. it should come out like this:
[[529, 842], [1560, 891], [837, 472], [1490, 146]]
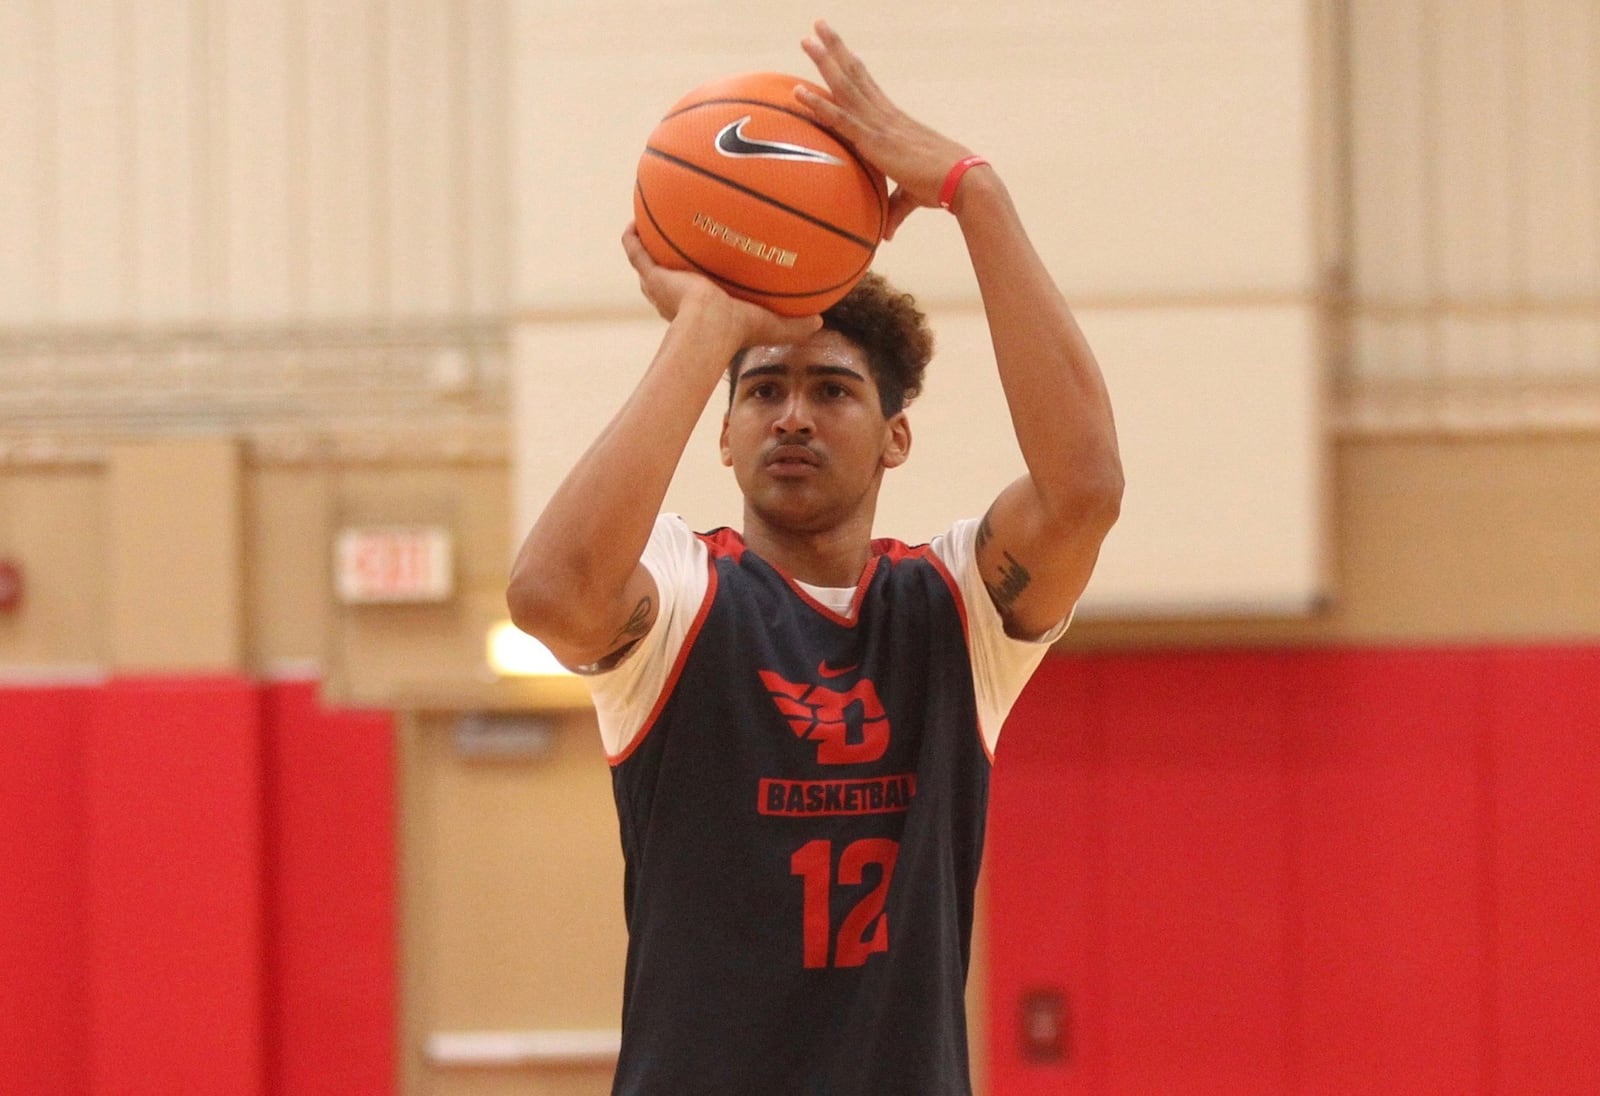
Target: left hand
[[916, 157], [668, 291]]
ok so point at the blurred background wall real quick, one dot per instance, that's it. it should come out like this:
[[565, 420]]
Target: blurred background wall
[[1302, 803]]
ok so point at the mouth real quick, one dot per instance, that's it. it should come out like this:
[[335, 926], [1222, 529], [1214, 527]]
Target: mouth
[[792, 460]]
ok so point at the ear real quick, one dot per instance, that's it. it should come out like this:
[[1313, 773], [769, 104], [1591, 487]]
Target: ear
[[727, 454], [898, 446]]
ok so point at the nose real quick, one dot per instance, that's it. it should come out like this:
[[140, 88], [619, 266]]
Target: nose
[[795, 416]]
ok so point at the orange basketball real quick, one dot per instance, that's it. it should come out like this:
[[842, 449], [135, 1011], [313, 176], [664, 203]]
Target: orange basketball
[[739, 183]]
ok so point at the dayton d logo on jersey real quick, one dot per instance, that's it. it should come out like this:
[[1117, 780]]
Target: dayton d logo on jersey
[[849, 728]]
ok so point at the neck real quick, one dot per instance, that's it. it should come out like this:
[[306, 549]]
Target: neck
[[831, 557]]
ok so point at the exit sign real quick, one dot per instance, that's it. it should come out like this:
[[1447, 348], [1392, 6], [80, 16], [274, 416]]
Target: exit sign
[[394, 564]]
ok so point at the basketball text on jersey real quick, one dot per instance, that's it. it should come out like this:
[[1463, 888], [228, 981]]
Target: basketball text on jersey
[[748, 244], [815, 798]]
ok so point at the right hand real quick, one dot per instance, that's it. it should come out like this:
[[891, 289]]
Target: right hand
[[915, 156], [669, 291]]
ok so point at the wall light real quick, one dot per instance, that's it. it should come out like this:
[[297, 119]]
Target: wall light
[[514, 653]]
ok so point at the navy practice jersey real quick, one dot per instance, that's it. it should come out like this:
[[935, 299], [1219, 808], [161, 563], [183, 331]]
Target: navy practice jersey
[[802, 819]]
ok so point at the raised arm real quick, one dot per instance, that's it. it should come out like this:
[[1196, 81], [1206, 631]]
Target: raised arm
[[1039, 540], [577, 583]]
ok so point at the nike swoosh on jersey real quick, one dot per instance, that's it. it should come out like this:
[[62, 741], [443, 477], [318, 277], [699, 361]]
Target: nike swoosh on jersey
[[731, 141], [826, 671]]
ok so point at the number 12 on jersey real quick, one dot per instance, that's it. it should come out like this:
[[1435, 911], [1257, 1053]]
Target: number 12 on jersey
[[865, 929]]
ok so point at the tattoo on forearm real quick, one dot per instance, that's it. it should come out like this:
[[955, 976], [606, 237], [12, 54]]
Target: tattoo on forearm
[[638, 622], [1014, 579]]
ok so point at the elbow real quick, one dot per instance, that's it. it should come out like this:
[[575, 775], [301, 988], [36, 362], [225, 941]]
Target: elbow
[[1109, 493], [545, 607], [1090, 499], [528, 604], [1102, 505], [538, 607]]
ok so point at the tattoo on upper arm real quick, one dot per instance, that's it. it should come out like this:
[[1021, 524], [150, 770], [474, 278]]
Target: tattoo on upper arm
[[638, 622], [1014, 579], [985, 532]]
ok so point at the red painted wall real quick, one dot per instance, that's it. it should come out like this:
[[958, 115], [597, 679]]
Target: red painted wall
[[44, 1040], [331, 859], [204, 873], [172, 850], [1301, 872], [1284, 872]]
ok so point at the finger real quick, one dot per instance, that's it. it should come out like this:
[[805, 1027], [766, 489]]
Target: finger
[[901, 205], [829, 114], [852, 70], [638, 257], [824, 108], [799, 330], [827, 67], [837, 65]]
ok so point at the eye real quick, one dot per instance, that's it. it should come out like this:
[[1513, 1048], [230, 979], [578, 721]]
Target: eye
[[762, 390], [833, 390]]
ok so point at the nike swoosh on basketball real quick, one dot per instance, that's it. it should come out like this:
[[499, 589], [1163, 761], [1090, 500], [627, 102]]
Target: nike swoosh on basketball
[[731, 141], [826, 671]]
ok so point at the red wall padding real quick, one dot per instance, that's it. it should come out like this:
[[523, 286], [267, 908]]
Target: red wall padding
[[1544, 825], [332, 860], [43, 1034], [173, 842], [1284, 872], [1301, 872], [199, 891]]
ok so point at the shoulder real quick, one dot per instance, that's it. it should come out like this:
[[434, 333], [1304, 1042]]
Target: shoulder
[[624, 694], [1001, 665]]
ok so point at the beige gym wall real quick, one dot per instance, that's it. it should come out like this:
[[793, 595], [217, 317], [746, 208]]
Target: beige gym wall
[[1475, 524]]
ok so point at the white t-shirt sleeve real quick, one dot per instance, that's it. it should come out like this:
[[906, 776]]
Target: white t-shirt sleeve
[[1001, 666], [625, 695]]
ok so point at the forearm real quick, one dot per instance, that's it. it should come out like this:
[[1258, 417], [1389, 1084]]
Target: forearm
[[1059, 406], [588, 540]]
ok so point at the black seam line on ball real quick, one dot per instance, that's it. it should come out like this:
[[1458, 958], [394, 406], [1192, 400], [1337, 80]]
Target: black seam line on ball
[[645, 205]]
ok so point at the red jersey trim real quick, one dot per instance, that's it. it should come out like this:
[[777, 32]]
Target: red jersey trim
[[724, 542], [727, 542], [678, 664], [847, 619]]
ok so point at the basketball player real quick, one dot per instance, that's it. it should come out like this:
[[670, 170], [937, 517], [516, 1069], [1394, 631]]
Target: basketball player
[[800, 718]]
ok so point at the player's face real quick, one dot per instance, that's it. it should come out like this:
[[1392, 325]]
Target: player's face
[[806, 436]]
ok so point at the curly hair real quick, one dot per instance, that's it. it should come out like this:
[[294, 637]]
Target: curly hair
[[890, 330]]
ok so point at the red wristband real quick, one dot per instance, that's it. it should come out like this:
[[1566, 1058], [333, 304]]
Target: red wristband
[[947, 192]]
